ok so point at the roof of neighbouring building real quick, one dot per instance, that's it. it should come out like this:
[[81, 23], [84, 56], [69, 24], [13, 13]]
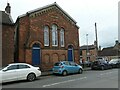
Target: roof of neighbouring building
[[84, 47], [111, 51], [5, 18]]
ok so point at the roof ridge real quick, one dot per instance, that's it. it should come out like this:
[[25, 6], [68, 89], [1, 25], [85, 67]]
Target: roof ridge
[[49, 5]]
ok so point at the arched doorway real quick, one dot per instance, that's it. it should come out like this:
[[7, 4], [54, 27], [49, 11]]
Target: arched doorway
[[36, 54], [70, 53]]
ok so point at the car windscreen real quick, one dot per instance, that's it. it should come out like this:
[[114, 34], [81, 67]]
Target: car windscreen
[[3, 67], [111, 61], [114, 60]]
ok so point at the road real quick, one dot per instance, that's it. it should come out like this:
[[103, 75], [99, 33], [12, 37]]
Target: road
[[89, 79]]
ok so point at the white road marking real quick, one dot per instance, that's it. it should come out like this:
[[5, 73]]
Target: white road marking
[[108, 73], [64, 82]]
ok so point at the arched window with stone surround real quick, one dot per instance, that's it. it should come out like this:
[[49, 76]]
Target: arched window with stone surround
[[54, 35], [46, 36]]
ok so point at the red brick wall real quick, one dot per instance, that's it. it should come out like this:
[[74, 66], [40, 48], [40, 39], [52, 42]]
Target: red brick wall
[[49, 55], [92, 54], [7, 44], [23, 34]]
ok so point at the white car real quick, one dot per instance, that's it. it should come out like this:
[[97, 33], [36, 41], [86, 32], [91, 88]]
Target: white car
[[19, 71]]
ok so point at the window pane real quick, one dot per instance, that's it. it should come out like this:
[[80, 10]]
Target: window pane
[[23, 66], [54, 35], [12, 67], [62, 37], [46, 36]]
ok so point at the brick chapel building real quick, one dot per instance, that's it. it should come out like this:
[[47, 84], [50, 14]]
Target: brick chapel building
[[46, 35]]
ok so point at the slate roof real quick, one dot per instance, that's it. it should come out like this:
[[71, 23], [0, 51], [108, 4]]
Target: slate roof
[[84, 47], [5, 18], [110, 51]]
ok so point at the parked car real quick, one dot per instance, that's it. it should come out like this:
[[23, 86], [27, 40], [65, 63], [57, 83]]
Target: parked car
[[19, 71], [115, 63], [67, 67], [100, 64], [87, 63]]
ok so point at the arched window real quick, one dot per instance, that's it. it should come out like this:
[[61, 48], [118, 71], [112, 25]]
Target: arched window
[[54, 35], [62, 37], [46, 36]]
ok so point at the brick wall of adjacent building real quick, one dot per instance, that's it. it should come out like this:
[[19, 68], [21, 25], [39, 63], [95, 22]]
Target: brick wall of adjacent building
[[30, 28], [92, 55], [7, 44]]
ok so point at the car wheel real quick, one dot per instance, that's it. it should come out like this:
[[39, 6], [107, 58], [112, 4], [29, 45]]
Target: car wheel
[[92, 68], [64, 73], [80, 71], [110, 67], [102, 68], [31, 77], [117, 65]]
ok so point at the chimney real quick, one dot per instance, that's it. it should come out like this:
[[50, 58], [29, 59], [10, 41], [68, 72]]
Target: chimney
[[99, 48], [116, 42], [95, 43], [8, 9]]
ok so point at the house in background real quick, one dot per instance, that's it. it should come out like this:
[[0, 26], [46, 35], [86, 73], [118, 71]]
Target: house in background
[[106, 53], [88, 52], [7, 34], [45, 36], [111, 52]]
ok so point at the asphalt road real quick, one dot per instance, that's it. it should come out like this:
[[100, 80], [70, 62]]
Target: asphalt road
[[89, 79]]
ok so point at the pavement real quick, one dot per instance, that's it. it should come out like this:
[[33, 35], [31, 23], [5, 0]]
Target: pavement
[[47, 73]]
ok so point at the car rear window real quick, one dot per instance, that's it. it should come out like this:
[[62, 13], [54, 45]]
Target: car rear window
[[57, 64]]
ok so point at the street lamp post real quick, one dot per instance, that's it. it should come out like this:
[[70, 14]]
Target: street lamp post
[[96, 40], [87, 47]]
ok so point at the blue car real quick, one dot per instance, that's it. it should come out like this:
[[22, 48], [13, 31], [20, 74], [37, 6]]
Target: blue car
[[67, 67]]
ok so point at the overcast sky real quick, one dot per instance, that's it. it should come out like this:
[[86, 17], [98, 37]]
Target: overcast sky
[[85, 12]]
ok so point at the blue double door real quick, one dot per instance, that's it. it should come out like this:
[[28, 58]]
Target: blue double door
[[36, 54]]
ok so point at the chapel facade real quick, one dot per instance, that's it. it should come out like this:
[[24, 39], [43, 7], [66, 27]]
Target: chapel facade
[[45, 36]]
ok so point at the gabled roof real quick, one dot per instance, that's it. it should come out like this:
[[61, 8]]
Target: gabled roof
[[47, 7], [110, 51], [84, 47], [5, 18]]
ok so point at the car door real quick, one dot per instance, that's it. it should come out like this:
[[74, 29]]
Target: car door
[[118, 63], [9, 74], [106, 65], [68, 67], [74, 67], [23, 71]]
